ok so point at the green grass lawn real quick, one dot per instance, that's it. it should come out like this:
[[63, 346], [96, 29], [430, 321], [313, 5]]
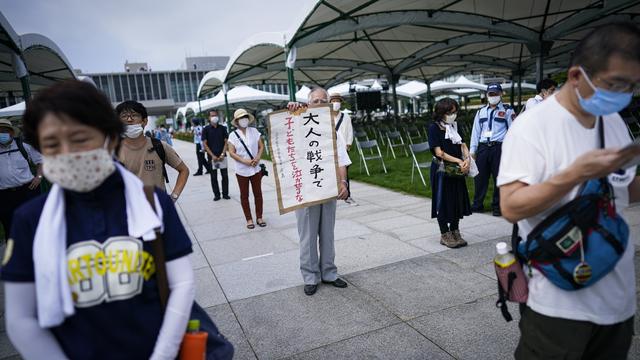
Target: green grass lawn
[[399, 174]]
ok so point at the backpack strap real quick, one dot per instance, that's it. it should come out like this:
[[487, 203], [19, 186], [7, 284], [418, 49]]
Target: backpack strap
[[25, 155], [502, 297], [243, 144], [340, 121], [157, 246], [159, 149]]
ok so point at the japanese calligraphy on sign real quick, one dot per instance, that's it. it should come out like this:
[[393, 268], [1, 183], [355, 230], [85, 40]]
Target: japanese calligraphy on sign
[[303, 150]]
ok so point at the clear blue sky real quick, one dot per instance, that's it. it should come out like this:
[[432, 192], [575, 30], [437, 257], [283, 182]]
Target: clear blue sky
[[99, 35]]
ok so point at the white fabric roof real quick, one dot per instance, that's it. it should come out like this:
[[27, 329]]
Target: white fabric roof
[[343, 89], [423, 40], [239, 94], [43, 60], [461, 86], [13, 110], [19, 108], [411, 89], [303, 94]]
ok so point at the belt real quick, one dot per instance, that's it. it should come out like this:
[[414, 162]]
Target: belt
[[490, 143], [17, 188]]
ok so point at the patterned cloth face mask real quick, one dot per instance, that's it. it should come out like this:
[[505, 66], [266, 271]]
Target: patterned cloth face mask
[[81, 171]]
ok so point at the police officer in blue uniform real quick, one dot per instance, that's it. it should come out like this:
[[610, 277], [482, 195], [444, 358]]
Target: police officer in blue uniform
[[489, 129]]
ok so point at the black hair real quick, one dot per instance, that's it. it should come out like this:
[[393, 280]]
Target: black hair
[[131, 105], [78, 100], [594, 51], [545, 84], [443, 106]]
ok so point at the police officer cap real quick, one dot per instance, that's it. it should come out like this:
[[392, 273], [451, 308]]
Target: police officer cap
[[494, 87]]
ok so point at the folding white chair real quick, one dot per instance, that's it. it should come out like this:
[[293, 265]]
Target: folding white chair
[[416, 149], [371, 145], [395, 140], [412, 132]]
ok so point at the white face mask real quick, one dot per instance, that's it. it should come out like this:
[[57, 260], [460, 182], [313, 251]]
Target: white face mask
[[449, 119], [336, 106], [214, 119], [494, 100], [133, 131], [80, 171], [244, 122]]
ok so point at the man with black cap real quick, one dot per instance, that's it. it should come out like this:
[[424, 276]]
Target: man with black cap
[[489, 128], [18, 183]]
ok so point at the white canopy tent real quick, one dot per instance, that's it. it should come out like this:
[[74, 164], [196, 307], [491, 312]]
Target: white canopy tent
[[13, 110], [240, 94], [29, 62], [345, 88], [18, 109], [424, 40], [461, 86], [303, 94]]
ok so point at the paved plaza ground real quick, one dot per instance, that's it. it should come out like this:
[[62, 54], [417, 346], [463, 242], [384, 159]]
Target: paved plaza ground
[[408, 297]]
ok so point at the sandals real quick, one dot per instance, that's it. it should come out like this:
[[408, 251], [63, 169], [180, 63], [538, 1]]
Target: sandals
[[260, 223]]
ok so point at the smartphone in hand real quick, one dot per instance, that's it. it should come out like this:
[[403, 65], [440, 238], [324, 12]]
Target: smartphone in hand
[[634, 147]]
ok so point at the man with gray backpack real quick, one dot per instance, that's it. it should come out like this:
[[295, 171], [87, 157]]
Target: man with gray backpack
[[567, 172]]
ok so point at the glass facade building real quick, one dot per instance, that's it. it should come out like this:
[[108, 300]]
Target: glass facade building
[[180, 86]]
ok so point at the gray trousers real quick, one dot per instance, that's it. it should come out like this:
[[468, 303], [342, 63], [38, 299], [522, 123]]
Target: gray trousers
[[317, 222]]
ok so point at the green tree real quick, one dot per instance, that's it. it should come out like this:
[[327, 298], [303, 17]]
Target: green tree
[[161, 120]]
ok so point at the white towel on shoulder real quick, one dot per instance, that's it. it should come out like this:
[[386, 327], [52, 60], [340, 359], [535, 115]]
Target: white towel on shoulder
[[53, 294], [451, 133]]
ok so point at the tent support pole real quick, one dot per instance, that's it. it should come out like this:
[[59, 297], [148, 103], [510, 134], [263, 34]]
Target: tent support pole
[[520, 90], [227, 112], [429, 105], [292, 84]]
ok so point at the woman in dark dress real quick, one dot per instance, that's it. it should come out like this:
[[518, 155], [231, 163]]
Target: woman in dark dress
[[450, 201]]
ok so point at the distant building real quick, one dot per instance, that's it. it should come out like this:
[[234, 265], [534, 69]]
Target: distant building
[[135, 67], [208, 63], [161, 92]]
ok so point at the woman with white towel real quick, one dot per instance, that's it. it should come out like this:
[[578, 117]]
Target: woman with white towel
[[451, 163], [80, 266]]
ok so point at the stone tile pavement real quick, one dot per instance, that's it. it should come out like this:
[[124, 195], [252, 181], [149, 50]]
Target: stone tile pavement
[[408, 297]]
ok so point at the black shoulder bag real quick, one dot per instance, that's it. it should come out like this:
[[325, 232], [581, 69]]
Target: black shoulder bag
[[263, 168]]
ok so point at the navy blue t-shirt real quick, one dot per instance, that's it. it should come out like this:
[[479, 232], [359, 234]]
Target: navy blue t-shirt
[[112, 275], [215, 137]]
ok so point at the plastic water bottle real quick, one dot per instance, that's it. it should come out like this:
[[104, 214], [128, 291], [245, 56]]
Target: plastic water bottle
[[194, 343], [504, 258], [510, 275]]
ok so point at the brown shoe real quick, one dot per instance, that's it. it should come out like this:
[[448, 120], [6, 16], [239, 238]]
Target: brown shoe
[[458, 237], [447, 240]]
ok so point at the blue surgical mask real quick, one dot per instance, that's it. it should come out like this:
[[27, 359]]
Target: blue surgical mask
[[5, 138], [603, 102]]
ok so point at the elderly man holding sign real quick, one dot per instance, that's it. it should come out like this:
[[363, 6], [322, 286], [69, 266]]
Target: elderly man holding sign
[[309, 163]]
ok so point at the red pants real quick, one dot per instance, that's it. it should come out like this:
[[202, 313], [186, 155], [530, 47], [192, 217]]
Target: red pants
[[256, 185]]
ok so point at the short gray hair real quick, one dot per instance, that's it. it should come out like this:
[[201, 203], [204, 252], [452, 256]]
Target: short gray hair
[[316, 89]]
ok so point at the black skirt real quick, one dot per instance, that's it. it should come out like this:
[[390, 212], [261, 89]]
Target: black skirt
[[450, 197]]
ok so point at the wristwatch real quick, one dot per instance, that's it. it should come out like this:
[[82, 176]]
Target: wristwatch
[[39, 177]]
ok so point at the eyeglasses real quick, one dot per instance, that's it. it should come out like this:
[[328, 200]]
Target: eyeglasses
[[616, 86], [133, 116]]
